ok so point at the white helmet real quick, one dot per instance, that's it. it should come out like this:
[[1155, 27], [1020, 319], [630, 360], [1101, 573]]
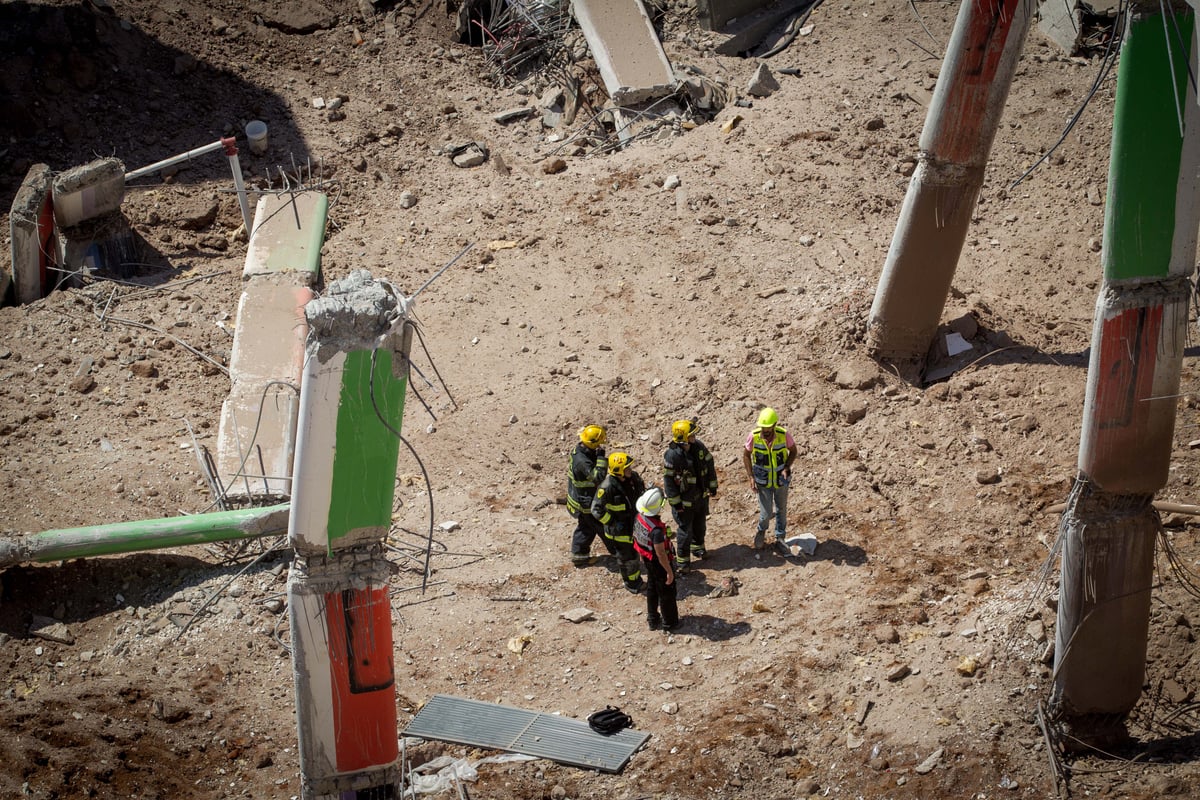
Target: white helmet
[[651, 502]]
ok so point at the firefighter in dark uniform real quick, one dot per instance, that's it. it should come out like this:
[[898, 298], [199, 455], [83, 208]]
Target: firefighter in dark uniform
[[689, 479], [587, 468], [615, 507]]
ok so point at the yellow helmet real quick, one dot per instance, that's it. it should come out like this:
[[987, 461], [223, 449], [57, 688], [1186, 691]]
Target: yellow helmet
[[618, 464], [767, 418], [682, 429], [592, 435]]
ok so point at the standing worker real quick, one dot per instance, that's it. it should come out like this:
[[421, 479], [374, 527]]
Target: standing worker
[[614, 507], [768, 458], [587, 468], [652, 541], [689, 479]]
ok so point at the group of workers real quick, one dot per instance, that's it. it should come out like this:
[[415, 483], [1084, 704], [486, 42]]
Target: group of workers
[[611, 501]]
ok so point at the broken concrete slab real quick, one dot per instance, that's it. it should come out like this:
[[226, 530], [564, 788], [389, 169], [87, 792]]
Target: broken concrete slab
[[88, 192], [31, 226], [627, 51], [804, 543], [289, 229], [256, 441]]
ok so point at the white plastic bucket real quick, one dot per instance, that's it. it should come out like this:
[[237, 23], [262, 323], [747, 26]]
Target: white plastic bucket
[[256, 135]]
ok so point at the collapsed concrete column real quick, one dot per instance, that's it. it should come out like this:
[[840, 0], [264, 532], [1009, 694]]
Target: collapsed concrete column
[[351, 405], [968, 100], [1109, 528]]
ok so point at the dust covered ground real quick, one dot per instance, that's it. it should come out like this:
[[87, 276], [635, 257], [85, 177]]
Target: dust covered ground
[[702, 271]]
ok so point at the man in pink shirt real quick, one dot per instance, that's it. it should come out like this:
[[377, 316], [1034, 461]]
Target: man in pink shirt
[[768, 458]]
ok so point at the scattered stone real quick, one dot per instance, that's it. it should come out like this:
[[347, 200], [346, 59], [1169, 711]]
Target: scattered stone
[[886, 634], [853, 409], [856, 375], [449, 525], [671, 182], [728, 587], [928, 764], [407, 199], [471, 154], [513, 114], [274, 605], [83, 384], [762, 83], [50, 630], [977, 587], [577, 615], [987, 477], [967, 667], [899, 673], [670, 708], [875, 124], [554, 166]]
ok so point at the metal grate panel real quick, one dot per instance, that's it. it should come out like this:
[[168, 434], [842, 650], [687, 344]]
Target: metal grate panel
[[567, 741]]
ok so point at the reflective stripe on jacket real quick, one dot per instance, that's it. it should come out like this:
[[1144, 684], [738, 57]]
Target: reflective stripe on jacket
[[614, 505], [688, 475], [585, 471], [768, 459]]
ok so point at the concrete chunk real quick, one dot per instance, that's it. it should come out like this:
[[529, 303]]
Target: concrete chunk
[[630, 57], [89, 191], [31, 225], [289, 229]]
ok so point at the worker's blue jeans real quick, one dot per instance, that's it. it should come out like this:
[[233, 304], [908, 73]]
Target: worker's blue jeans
[[773, 503]]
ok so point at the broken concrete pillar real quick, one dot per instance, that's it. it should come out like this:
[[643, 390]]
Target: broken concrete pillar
[[31, 226], [351, 405], [257, 439], [626, 48], [89, 191]]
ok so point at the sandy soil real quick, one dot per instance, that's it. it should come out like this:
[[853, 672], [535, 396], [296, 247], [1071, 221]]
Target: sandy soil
[[628, 301]]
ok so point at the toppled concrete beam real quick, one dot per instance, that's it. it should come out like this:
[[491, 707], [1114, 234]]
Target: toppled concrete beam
[[88, 192], [289, 229], [630, 57], [256, 445], [31, 225]]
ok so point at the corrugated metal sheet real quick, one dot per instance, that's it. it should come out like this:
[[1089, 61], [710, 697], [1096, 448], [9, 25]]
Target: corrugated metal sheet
[[568, 741]]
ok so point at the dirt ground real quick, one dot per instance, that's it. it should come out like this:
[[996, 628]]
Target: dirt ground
[[705, 270]]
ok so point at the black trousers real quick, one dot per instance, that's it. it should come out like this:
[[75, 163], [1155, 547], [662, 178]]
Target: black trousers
[[692, 524], [587, 528], [660, 598]]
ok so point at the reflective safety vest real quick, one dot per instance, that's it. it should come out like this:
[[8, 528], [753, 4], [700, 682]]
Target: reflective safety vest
[[643, 538], [768, 459]]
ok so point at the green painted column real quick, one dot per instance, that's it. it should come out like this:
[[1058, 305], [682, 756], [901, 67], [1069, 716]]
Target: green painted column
[[1109, 526], [351, 405]]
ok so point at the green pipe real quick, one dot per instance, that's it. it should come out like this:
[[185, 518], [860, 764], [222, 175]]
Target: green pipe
[[149, 534]]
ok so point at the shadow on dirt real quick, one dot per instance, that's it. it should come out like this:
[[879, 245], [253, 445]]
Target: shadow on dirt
[[78, 80], [739, 557], [715, 629], [83, 589]]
